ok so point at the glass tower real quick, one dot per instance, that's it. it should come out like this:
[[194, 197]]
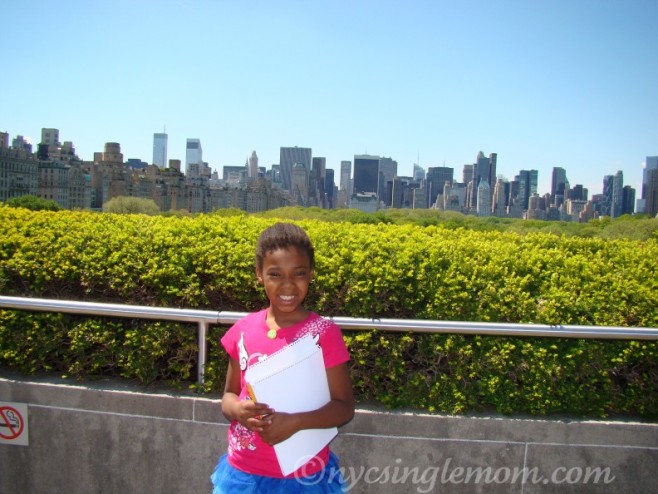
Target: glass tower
[[366, 174], [160, 150]]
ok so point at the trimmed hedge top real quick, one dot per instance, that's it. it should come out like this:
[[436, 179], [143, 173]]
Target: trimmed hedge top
[[362, 270]]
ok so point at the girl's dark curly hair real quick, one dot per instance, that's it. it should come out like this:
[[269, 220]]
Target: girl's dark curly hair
[[283, 236]]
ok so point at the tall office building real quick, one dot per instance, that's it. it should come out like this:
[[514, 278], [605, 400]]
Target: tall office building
[[252, 171], [605, 205], [419, 172], [160, 150], [483, 198], [468, 172], [342, 199], [650, 164], [329, 188], [527, 180], [316, 181], [299, 184], [578, 193], [628, 200], [485, 168], [388, 170], [499, 198], [345, 176], [366, 174], [193, 158], [650, 188], [288, 157], [617, 195], [559, 185], [436, 178], [493, 163]]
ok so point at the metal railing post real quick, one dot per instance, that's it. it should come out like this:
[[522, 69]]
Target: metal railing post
[[203, 351]]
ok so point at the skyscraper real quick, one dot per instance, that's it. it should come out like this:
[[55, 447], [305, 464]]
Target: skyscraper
[[493, 163], [316, 181], [650, 164], [559, 184], [483, 198], [299, 185], [605, 207], [388, 170], [329, 187], [366, 174], [468, 173], [160, 150], [628, 201], [578, 193], [252, 171], [345, 176], [193, 158], [485, 168], [617, 195], [288, 157], [527, 180], [499, 198], [436, 178], [651, 187], [418, 173]]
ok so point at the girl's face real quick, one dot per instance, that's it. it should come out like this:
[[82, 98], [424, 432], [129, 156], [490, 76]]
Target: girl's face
[[286, 275]]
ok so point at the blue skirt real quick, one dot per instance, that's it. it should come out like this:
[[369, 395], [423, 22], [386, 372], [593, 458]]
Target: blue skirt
[[229, 480]]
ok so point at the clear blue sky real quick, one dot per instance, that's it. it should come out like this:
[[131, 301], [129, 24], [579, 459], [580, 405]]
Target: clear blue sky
[[570, 83]]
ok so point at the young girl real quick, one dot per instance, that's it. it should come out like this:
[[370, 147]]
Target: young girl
[[284, 266]]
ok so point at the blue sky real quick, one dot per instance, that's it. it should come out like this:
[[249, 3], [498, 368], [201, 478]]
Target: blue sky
[[541, 83]]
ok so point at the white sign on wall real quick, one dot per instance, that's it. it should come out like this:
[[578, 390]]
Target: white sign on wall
[[13, 424]]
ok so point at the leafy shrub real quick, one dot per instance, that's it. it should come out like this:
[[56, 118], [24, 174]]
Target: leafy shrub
[[131, 205], [33, 203], [380, 270]]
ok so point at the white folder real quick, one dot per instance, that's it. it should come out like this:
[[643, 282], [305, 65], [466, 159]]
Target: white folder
[[292, 380]]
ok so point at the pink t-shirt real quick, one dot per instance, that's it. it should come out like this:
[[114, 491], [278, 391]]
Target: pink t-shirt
[[247, 342]]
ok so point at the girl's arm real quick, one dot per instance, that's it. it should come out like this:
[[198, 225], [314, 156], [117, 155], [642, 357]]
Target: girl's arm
[[252, 415], [337, 412]]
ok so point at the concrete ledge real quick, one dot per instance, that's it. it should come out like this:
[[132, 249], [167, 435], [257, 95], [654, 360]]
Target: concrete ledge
[[109, 438]]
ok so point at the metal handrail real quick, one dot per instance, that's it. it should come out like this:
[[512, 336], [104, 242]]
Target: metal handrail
[[203, 318]]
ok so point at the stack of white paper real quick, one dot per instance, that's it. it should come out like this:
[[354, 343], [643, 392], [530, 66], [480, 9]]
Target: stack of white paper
[[293, 380]]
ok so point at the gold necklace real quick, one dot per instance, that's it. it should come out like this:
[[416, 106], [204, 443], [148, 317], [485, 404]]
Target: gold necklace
[[271, 333]]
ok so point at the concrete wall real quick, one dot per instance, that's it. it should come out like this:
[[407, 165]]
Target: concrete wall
[[106, 437]]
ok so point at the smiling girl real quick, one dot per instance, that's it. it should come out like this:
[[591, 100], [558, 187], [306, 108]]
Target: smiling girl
[[285, 266]]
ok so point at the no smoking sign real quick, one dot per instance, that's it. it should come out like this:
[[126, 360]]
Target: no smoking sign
[[13, 424]]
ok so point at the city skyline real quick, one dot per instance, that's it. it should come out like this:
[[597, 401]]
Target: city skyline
[[56, 172], [543, 85], [305, 155]]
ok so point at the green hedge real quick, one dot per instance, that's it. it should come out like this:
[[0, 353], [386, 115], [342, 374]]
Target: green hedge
[[363, 270]]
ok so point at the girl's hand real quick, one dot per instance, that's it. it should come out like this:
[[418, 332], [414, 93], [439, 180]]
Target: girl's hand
[[279, 427], [254, 416]]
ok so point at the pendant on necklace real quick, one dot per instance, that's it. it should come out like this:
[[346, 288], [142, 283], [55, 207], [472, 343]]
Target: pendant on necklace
[[271, 334]]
